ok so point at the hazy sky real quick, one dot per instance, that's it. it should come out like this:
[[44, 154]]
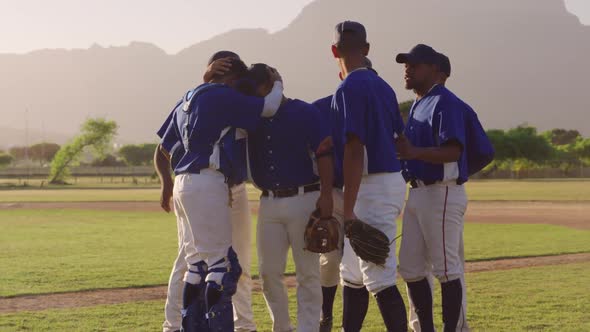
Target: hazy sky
[[27, 25]]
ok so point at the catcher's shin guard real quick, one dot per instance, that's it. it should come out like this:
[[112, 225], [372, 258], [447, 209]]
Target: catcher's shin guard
[[393, 309], [452, 297], [355, 303], [194, 306], [421, 295], [222, 283]]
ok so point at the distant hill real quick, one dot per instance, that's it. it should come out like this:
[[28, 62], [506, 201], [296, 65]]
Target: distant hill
[[514, 61]]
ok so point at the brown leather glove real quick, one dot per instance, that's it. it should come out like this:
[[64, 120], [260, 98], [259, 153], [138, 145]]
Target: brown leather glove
[[321, 234]]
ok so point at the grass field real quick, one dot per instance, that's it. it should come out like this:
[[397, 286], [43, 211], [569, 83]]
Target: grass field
[[503, 190], [72, 250], [531, 299]]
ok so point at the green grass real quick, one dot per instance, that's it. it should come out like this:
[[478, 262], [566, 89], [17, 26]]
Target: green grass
[[529, 190], [540, 299], [481, 190], [44, 251]]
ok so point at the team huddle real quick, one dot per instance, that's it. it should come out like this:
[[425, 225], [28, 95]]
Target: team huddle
[[346, 161]]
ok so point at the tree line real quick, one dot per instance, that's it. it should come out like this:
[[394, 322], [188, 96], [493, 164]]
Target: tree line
[[518, 148]]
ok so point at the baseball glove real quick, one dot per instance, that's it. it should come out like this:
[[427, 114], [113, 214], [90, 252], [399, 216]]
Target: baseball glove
[[369, 243], [321, 235]]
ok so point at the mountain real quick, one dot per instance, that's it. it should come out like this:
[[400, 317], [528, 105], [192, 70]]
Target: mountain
[[514, 61]]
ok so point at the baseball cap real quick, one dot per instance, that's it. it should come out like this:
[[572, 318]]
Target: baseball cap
[[420, 54], [222, 54], [445, 64], [356, 32]]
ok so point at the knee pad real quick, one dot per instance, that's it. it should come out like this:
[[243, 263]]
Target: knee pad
[[222, 281], [224, 274], [194, 306]]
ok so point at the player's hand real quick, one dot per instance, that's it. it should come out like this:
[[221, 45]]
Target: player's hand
[[217, 67], [274, 74], [350, 216], [405, 149], [166, 197], [326, 205]]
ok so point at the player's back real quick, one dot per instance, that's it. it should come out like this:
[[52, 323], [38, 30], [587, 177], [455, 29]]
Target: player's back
[[365, 105]]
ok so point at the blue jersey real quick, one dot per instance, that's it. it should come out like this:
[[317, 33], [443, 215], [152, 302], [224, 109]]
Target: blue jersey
[[200, 123], [281, 149], [324, 105], [175, 148], [366, 106], [435, 119]]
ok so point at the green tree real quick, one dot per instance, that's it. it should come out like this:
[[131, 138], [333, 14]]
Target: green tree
[[5, 160], [43, 152], [562, 136], [95, 133], [18, 152], [136, 155], [107, 160]]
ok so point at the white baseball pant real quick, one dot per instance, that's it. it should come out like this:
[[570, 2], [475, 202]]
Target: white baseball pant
[[330, 262], [432, 242], [281, 224], [241, 242], [380, 201]]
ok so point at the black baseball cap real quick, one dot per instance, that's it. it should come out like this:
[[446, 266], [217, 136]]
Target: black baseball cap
[[445, 64], [222, 54], [420, 54], [356, 32]]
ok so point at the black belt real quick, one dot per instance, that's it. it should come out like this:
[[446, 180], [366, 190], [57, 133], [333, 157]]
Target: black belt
[[289, 192]]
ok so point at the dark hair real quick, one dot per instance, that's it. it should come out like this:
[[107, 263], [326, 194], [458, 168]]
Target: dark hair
[[258, 74], [246, 86], [238, 69], [350, 41], [222, 54]]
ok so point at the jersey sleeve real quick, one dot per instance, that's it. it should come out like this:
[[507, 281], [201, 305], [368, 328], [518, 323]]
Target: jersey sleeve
[[451, 124], [170, 137], [354, 108], [165, 125], [242, 111]]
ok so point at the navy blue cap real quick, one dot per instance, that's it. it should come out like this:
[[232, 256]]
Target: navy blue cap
[[222, 54], [356, 30], [420, 54], [445, 64]]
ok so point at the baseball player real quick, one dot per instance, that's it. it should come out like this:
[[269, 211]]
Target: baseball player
[[290, 161], [443, 74], [202, 195], [330, 262], [365, 121], [436, 169], [240, 218]]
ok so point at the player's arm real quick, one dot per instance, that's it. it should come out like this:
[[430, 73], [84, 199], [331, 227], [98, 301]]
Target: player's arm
[[162, 167], [448, 152], [353, 164], [353, 102], [326, 171]]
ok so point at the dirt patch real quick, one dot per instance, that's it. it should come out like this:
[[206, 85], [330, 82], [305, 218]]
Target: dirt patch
[[116, 296], [570, 214]]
